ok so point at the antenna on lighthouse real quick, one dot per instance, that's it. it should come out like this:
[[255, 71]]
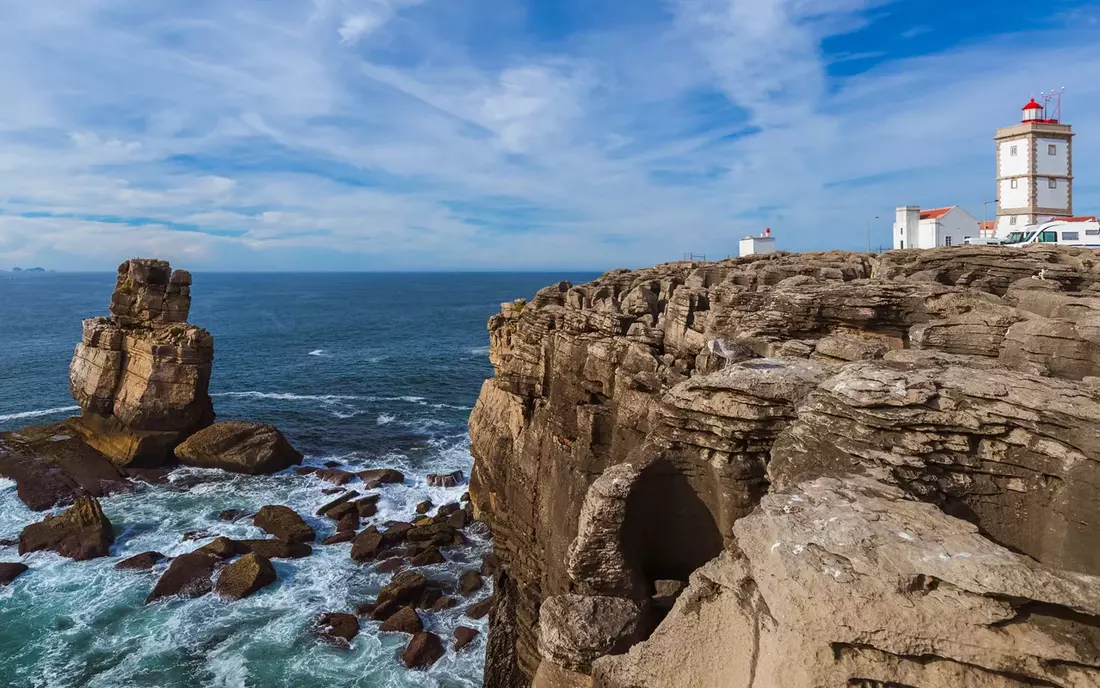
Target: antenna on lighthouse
[[1052, 113]]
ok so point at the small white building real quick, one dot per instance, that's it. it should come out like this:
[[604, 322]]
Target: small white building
[[751, 246], [951, 226]]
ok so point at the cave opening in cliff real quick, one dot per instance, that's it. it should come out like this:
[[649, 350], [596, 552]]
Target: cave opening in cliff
[[669, 531]]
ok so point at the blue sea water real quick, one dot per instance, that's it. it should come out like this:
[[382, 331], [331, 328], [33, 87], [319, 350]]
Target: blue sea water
[[373, 370]]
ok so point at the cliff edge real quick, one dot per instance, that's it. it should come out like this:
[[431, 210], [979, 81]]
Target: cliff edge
[[798, 470]]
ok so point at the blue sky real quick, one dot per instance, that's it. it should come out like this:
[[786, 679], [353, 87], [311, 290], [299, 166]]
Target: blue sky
[[518, 134]]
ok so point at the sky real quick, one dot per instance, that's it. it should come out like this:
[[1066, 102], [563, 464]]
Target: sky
[[511, 134]]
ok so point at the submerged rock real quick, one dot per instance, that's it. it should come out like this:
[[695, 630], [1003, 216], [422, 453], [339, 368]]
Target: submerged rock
[[141, 562], [274, 549], [245, 576], [81, 532], [284, 523], [239, 447], [470, 582], [187, 576], [9, 571], [336, 627], [377, 477], [445, 479], [423, 650]]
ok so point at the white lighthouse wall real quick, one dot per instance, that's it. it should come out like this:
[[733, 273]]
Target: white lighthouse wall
[[1012, 165], [1015, 198], [1052, 198], [1052, 164]]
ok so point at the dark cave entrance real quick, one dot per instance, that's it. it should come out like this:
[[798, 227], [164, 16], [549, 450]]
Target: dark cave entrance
[[669, 531]]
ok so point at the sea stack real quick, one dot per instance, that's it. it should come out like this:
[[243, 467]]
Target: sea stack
[[861, 470], [141, 376]]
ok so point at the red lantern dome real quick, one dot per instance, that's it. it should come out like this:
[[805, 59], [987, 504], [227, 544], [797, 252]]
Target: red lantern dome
[[1033, 112]]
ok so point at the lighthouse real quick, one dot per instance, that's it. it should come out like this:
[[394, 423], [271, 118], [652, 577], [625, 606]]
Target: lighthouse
[[1034, 167]]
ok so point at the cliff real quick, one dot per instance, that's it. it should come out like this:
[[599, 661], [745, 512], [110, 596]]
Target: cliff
[[865, 470]]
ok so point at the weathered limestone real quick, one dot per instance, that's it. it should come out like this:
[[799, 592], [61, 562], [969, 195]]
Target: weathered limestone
[[82, 532], [141, 376], [841, 583], [240, 447], [635, 423]]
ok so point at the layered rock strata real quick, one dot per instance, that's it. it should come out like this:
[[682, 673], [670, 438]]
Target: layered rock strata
[[792, 433], [141, 376]]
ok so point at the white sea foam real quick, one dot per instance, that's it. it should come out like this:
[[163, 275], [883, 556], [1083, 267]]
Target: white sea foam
[[318, 352], [479, 351], [385, 418], [38, 413], [288, 396]]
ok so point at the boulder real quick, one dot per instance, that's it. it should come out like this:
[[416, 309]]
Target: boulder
[[81, 532], [445, 479], [404, 621], [367, 545], [443, 603], [367, 506], [245, 576], [349, 523], [274, 549], [339, 501], [232, 515], [457, 520], [405, 589], [305, 470], [239, 447], [141, 562], [377, 477], [334, 476], [577, 629], [221, 547], [339, 537], [479, 610], [9, 571], [470, 582], [336, 627], [187, 576], [424, 507], [423, 650], [284, 523], [428, 557], [391, 565], [463, 636]]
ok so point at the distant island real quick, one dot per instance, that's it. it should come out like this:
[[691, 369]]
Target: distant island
[[27, 270]]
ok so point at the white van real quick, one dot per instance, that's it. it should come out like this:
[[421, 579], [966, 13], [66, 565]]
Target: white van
[[1061, 232]]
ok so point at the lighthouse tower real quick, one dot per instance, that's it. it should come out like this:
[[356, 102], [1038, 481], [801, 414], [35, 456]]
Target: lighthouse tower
[[1034, 167]]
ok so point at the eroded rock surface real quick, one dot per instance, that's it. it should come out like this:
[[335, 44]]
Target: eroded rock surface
[[635, 424], [141, 376], [240, 447], [81, 532]]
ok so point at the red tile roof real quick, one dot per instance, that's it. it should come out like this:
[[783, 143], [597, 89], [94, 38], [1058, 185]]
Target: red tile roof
[[988, 224], [1090, 218], [936, 213]]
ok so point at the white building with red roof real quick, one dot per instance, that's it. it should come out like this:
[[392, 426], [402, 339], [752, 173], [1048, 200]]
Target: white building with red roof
[[950, 226]]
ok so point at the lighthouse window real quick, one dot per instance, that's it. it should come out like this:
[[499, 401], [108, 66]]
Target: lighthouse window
[[1052, 149], [1015, 183], [1052, 183], [1012, 220], [1012, 151]]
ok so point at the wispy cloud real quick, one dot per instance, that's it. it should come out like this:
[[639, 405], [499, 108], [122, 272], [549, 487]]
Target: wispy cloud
[[404, 133]]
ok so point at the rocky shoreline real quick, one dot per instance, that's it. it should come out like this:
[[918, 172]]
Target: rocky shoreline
[[141, 378], [798, 471]]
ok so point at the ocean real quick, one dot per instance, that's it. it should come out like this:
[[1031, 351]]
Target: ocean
[[373, 370]]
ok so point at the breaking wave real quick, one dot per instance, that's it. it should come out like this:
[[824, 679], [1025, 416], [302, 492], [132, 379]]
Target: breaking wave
[[38, 413]]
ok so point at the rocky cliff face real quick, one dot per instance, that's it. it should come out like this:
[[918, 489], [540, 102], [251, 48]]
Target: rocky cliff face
[[870, 470], [141, 376]]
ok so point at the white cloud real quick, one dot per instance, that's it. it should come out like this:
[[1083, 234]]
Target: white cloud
[[367, 134]]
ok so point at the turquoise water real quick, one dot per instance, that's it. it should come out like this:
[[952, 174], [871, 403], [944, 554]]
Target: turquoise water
[[371, 370]]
